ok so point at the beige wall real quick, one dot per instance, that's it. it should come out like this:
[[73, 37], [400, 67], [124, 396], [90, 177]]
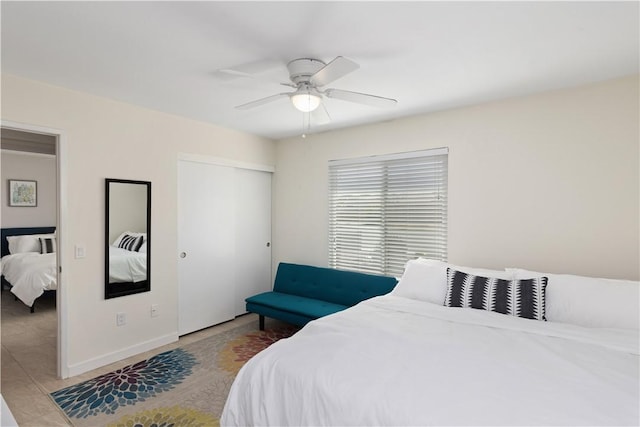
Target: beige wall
[[108, 139], [31, 167], [547, 182]]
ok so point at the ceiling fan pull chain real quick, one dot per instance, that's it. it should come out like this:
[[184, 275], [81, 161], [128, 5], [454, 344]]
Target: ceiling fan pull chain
[[304, 135]]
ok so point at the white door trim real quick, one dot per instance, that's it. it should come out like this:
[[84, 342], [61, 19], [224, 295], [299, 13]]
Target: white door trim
[[220, 161], [61, 294]]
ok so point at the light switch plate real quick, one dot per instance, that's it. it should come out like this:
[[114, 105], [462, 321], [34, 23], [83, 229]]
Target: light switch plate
[[80, 251]]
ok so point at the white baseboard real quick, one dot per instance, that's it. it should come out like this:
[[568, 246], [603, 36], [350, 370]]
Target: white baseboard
[[98, 362]]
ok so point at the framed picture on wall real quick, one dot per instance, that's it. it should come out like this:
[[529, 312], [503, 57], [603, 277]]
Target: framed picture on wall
[[23, 193]]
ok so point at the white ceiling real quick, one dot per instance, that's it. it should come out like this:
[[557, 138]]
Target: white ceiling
[[428, 55]]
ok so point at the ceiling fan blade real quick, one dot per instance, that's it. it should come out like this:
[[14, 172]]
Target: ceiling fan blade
[[335, 69], [262, 101], [320, 116], [360, 98], [264, 71], [230, 74]]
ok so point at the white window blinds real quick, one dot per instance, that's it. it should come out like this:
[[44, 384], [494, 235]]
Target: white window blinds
[[385, 210]]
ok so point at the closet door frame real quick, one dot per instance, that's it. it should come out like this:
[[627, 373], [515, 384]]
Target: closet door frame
[[216, 161], [220, 161]]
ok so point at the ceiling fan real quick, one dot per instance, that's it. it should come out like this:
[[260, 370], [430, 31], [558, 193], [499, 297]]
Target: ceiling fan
[[308, 77]]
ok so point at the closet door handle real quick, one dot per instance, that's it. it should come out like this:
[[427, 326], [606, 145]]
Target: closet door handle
[[268, 244], [183, 254]]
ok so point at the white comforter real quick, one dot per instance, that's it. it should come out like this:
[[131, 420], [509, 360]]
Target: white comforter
[[30, 274], [126, 266], [397, 361]]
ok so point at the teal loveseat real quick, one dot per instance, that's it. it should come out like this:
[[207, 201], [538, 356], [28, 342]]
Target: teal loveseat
[[302, 293]]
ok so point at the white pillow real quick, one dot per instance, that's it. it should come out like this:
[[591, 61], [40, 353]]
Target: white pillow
[[130, 233], [26, 242], [426, 279], [498, 274], [589, 301], [143, 247]]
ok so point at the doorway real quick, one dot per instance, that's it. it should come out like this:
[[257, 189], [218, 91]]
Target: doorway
[[29, 148]]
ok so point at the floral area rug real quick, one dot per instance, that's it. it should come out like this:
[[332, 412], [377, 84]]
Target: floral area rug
[[186, 386]]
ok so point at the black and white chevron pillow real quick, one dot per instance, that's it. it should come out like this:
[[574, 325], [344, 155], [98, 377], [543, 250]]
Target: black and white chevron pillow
[[130, 243], [47, 245], [521, 298]]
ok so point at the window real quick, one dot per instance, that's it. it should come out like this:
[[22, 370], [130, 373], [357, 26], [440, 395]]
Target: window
[[385, 210]]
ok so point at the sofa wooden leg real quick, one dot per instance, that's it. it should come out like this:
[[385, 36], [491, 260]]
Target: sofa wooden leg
[[261, 321]]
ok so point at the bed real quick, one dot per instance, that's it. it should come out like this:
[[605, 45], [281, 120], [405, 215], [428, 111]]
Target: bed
[[27, 271], [407, 359]]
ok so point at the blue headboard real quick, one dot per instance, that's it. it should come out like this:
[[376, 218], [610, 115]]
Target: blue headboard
[[19, 232]]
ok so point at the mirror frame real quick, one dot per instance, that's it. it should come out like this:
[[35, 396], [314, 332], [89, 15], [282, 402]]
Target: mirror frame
[[114, 290]]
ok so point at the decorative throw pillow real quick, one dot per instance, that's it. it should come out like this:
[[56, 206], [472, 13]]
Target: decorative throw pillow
[[521, 298], [47, 245], [130, 243], [426, 279]]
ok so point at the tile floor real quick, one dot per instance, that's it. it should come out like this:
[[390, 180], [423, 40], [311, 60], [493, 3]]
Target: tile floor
[[28, 372]]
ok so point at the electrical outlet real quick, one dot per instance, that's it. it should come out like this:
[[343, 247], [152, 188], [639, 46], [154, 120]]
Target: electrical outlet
[[121, 319], [154, 310]]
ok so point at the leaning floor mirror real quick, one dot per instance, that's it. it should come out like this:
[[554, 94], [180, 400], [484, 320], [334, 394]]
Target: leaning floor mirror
[[127, 237]]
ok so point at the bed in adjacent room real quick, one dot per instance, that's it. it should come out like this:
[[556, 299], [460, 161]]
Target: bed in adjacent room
[[434, 352], [28, 262]]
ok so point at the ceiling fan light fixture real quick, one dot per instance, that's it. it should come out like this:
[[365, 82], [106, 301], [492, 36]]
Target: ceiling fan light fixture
[[305, 101]]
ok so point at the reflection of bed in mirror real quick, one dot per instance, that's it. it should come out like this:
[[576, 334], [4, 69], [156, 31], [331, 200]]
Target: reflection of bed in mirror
[[29, 262], [128, 264], [128, 217]]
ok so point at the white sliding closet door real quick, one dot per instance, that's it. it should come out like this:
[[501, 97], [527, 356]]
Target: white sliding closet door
[[206, 240], [224, 235], [253, 235]]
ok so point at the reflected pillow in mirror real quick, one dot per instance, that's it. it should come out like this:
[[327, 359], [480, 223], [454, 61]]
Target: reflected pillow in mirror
[[143, 248], [131, 243], [116, 242]]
